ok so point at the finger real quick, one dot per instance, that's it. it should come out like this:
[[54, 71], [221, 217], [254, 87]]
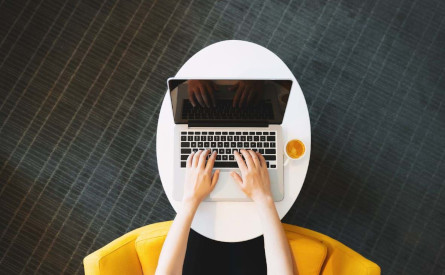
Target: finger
[[248, 159], [251, 96], [238, 93], [211, 162], [196, 158], [237, 177], [255, 158], [243, 97], [192, 98], [210, 92], [189, 160], [202, 158], [215, 178], [262, 160], [204, 96], [197, 94], [241, 164]]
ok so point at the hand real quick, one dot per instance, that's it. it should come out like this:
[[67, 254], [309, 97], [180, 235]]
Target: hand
[[247, 91], [254, 179], [199, 181], [201, 91]]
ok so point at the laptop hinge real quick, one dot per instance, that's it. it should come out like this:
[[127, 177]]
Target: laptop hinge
[[243, 123]]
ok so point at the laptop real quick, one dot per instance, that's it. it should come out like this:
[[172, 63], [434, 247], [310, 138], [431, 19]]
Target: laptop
[[225, 115]]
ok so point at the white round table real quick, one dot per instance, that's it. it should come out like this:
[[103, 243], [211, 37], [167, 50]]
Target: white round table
[[237, 221]]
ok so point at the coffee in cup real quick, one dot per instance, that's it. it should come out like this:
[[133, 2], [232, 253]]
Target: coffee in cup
[[294, 149]]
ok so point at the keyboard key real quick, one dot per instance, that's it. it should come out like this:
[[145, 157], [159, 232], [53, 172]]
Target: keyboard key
[[253, 144], [186, 151], [204, 133], [185, 144], [263, 138], [220, 144], [183, 138], [213, 144], [218, 157], [225, 164], [272, 133], [224, 133], [270, 157], [239, 144], [261, 151], [231, 157], [190, 133], [246, 145], [270, 138], [225, 157], [190, 138], [183, 133], [266, 144], [226, 144], [233, 144], [252, 133], [245, 133], [218, 133], [216, 138], [223, 138], [228, 151], [211, 133], [229, 138], [197, 133], [249, 138], [258, 133], [207, 144], [231, 133], [196, 138], [210, 138], [184, 157], [193, 144], [256, 138], [236, 138], [183, 164], [265, 133], [221, 151], [200, 144], [272, 144], [243, 138], [238, 133], [203, 138], [270, 151], [259, 144], [273, 166]]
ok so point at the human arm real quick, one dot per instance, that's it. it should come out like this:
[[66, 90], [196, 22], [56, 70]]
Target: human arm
[[199, 182], [255, 183]]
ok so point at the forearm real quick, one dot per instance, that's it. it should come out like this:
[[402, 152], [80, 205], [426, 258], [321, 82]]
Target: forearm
[[278, 253], [173, 251]]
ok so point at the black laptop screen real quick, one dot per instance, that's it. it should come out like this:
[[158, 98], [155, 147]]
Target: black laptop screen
[[239, 102]]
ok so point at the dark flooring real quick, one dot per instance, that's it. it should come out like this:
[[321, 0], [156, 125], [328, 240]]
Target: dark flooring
[[81, 84]]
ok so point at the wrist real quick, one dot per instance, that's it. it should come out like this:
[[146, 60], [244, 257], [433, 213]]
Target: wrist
[[190, 204], [265, 201]]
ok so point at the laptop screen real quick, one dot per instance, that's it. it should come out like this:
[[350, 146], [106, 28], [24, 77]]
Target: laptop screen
[[240, 102]]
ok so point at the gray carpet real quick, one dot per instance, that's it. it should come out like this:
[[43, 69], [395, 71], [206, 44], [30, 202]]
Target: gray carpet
[[80, 91]]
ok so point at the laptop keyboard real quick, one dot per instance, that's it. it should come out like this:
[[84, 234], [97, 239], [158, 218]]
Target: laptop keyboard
[[224, 110], [226, 142]]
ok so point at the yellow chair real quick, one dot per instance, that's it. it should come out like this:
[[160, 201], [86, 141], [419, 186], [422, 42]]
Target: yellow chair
[[137, 252]]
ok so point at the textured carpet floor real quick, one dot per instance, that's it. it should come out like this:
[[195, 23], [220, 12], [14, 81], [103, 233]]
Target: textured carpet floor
[[81, 84]]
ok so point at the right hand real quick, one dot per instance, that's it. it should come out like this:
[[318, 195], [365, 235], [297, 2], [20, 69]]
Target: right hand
[[254, 180]]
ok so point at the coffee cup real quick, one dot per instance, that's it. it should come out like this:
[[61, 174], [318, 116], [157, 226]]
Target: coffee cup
[[294, 149]]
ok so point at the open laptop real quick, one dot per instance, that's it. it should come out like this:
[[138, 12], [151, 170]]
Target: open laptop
[[205, 118]]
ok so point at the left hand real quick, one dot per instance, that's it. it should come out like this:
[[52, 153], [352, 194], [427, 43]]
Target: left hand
[[199, 181]]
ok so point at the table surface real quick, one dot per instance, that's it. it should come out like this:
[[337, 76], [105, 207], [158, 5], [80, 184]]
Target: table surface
[[237, 221]]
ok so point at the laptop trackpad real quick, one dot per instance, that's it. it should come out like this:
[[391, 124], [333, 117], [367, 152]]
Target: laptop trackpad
[[227, 189]]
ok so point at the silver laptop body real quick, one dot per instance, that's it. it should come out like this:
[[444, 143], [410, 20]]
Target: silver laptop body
[[255, 126]]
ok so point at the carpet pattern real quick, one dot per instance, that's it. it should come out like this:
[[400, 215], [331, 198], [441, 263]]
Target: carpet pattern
[[81, 83]]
